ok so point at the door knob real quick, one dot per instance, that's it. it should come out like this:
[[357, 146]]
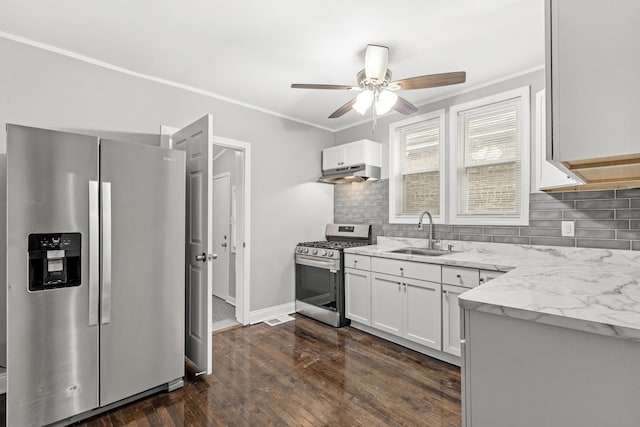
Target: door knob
[[211, 257], [202, 257], [224, 245]]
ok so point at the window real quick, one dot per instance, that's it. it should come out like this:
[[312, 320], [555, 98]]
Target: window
[[417, 151], [489, 169], [479, 176]]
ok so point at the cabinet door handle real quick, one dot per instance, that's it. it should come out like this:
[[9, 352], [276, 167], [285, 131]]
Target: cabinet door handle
[[458, 276], [445, 292]]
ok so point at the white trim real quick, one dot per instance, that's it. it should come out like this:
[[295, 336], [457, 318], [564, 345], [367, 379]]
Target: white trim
[[456, 93], [271, 312], [226, 175], [224, 150], [243, 280], [112, 67], [165, 136], [525, 136], [394, 167], [231, 300]]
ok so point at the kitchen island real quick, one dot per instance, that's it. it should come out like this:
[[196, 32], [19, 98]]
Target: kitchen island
[[554, 342]]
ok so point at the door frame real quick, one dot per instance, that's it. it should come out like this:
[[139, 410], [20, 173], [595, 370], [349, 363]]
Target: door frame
[[228, 176], [243, 262]]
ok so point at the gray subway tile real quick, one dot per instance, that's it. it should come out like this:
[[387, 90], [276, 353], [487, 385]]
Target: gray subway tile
[[628, 213], [545, 224], [511, 239], [475, 238], [603, 244], [502, 231], [628, 234], [607, 224], [463, 229], [556, 214], [441, 228], [551, 205], [535, 231], [553, 241], [447, 236], [589, 214], [603, 204], [633, 193], [634, 224], [545, 196], [595, 234], [635, 245], [635, 203], [582, 195]]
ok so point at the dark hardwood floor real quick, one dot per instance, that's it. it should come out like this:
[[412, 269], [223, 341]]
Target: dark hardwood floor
[[303, 373]]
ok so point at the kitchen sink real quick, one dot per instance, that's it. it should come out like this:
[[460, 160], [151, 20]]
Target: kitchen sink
[[421, 251]]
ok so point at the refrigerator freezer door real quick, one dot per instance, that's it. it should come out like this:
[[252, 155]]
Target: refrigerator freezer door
[[52, 345], [142, 336]]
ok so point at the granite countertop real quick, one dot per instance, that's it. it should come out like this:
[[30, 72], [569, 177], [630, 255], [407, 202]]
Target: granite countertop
[[591, 290]]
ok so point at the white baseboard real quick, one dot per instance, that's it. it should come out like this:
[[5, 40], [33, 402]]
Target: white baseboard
[[271, 312], [231, 300]]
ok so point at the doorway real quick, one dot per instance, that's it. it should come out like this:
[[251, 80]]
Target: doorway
[[228, 164]]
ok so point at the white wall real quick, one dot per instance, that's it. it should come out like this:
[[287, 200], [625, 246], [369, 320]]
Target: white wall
[[43, 89]]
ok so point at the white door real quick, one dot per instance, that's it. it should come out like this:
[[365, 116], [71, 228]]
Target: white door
[[196, 140], [386, 303], [221, 216], [451, 319], [422, 312], [357, 285]]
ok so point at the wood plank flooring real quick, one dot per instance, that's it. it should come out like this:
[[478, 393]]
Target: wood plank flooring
[[303, 373]]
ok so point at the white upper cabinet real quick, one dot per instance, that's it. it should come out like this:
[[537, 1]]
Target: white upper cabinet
[[593, 85], [353, 153]]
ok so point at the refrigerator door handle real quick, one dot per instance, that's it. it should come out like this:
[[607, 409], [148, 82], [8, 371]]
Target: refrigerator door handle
[[94, 253], [106, 253]]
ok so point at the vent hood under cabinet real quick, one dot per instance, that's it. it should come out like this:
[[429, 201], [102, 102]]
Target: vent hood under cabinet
[[353, 162]]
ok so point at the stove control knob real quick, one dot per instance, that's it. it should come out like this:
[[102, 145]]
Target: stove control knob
[[306, 250], [315, 252], [299, 250], [330, 253], [324, 253]]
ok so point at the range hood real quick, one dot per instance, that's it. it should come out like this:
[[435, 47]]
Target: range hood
[[348, 174]]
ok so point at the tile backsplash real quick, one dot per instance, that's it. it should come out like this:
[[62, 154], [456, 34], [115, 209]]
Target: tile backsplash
[[607, 219]]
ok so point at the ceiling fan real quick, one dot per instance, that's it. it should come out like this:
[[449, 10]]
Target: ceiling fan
[[377, 90]]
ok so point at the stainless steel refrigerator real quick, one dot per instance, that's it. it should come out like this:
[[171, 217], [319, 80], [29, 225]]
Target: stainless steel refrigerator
[[95, 273]]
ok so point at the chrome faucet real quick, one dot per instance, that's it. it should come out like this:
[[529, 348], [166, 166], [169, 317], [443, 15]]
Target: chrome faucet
[[430, 236]]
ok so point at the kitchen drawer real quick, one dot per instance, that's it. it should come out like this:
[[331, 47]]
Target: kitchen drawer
[[460, 276], [414, 270], [486, 275], [360, 262]]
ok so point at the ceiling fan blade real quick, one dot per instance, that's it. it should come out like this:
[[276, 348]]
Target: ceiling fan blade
[[432, 80], [376, 59], [320, 86], [343, 110], [403, 106]]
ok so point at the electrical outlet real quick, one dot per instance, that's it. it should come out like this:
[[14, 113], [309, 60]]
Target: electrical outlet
[[568, 229]]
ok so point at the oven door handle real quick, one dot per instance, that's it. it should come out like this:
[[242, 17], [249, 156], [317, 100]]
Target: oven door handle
[[327, 265]]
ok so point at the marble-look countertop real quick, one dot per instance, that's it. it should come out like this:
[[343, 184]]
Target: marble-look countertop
[[591, 290]]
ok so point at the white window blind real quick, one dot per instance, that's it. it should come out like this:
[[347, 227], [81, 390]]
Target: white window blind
[[419, 155], [489, 173]]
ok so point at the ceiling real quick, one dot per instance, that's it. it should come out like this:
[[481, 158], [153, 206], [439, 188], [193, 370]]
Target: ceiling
[[250, 51]]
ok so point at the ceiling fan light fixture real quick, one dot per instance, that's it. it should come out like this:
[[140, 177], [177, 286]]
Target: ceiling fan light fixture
[[363, 101], [386, 101]]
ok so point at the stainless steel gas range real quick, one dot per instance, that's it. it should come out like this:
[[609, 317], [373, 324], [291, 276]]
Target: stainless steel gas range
[[320, 272]]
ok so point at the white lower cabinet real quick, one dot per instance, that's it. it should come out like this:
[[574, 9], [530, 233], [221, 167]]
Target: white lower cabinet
[[358, 295], [451, 318], [407, 308]]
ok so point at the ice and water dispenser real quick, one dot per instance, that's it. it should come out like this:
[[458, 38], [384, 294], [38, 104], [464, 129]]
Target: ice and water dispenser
[[54, 260]]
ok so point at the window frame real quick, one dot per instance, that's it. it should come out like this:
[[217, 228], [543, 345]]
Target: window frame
[[525, 158], [395, 175]]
